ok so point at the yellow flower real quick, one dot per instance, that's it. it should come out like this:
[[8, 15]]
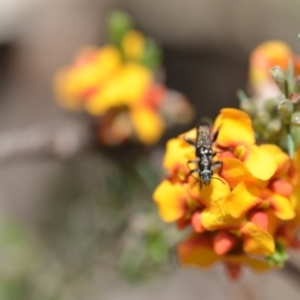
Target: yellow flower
[[177, 200], [101, 84], [131, 88], [288, 232], [244, 211]]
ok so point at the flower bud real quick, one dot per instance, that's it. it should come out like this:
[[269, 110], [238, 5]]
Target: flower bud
[[295, 120], [270, 105], [295, 132], [278, 74], [274, 127], [263, 117], [249, 107], [260, 121], [285, 110]]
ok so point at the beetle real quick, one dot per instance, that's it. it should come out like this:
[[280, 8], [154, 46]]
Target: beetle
[[204, 153]]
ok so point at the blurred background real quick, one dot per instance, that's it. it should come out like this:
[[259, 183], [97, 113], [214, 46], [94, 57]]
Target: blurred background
[[83, 226]]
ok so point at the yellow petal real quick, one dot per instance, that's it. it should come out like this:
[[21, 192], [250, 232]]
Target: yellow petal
[[282, 207], [235, 128], [283, 161], [296, 166], [243, 198], [216, 217], [191, 134], [148, 124], [256, 240], [177, 156], [260, 162], [126, 88], [170, 199], [213, 194], [133, 45]]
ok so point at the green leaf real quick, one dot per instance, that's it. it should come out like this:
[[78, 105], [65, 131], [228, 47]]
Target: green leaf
[[118, 24], [279, 257], [152, 54], [158, 249]]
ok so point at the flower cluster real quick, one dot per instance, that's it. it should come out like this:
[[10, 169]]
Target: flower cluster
[[274, 81], [118, 84], [248, 215], [265, 57]]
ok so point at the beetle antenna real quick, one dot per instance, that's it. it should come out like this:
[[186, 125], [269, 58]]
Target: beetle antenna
[[218, 179]]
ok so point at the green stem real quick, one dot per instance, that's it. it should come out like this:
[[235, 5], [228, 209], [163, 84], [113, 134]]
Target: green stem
[[241, 95], [290, 142], [290, 77], [286, 89]]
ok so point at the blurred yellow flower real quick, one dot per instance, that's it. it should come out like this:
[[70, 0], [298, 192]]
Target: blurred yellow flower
[[133, 45], [265, 56], [117, 85]]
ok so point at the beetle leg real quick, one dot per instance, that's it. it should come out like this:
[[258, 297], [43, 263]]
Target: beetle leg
[[197, 179], [188, 140], [217, 164], [193, 161], [217, 152]]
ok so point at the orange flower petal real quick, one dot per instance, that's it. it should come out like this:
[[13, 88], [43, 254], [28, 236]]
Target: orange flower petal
[[148, 124], [282, 207], [244, 197], [235, 127], [170, 199], [260, 162], [253, 263], [196, 222], [273, 222], [256, 240], [260, 218], [196, 252], [224, 242], [266, 55], [295, 171], [233, 270], [234, 171], [281, 187]]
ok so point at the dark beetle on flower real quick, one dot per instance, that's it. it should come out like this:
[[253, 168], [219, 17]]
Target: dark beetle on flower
[[204, 154]]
